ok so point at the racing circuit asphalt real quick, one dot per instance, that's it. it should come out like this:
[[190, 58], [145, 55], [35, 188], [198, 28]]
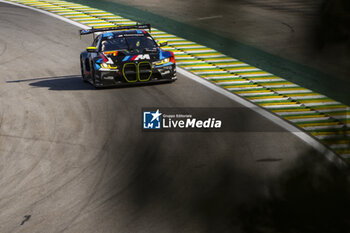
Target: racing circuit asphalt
[[74, 159]]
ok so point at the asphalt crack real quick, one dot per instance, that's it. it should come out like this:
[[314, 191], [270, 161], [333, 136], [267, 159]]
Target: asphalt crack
[[26, 219]]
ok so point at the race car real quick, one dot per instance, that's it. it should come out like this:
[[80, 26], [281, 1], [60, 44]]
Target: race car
[[126, 55]]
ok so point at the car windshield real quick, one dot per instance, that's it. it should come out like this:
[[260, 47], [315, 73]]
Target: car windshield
[[135, 42]]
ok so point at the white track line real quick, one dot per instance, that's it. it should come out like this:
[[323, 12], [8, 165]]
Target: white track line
[[330, 155]]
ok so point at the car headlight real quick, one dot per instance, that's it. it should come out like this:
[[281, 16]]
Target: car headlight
[[165, 60], [104, 65], [161, 62]]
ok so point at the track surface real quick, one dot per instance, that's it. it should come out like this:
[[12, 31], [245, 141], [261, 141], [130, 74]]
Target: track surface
[[75, 159]]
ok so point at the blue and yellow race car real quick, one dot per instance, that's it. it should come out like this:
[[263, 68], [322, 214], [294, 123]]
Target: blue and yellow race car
[[126, 55]]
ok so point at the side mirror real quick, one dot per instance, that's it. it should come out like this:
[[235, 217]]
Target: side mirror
[[162, 43], [91, 49]]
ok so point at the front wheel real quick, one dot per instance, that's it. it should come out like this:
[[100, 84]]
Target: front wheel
[[83, 73], [93, 77]]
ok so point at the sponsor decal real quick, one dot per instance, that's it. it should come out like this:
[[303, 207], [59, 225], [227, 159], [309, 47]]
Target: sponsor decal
[[137, 57], [114, 53]]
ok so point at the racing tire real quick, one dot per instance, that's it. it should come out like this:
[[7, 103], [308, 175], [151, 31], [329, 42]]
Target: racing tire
[[83, 74], [93, 78]]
